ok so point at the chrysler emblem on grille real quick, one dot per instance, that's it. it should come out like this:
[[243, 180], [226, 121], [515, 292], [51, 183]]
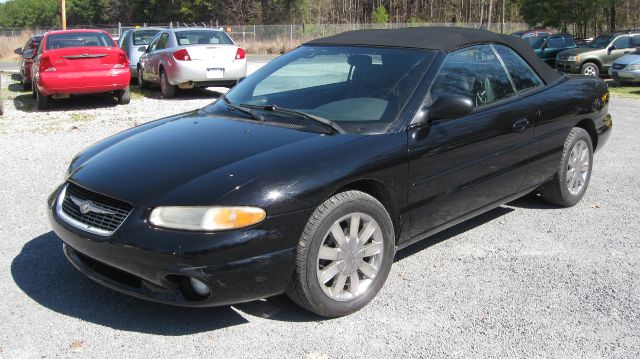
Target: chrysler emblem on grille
[[88, 206]]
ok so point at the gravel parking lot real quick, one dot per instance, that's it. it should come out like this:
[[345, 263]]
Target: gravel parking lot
[[524, 280]]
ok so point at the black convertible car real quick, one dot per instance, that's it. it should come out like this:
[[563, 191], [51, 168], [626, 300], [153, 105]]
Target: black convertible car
[[309, 174]]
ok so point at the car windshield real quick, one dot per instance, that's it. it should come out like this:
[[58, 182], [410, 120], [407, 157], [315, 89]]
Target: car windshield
[[79, 39], [143, 37], [202, 37], [361, 89], [601, 42], [536, 42]]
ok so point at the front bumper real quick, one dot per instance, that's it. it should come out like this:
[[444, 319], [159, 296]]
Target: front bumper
[[152, 264], [568, 66]]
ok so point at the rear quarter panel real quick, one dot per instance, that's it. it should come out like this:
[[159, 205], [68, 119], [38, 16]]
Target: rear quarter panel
[[573, 100]]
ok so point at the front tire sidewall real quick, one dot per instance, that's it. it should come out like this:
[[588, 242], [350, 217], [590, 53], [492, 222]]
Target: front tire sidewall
[[324, 305]]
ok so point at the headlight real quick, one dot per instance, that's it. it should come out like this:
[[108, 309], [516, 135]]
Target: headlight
[[206, 218], [573, 58], [634, 67]]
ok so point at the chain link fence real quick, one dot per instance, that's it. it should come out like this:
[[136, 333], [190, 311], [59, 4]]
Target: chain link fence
[[256, 39]]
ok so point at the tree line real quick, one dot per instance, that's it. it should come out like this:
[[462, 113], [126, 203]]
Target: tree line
[[582, 17]]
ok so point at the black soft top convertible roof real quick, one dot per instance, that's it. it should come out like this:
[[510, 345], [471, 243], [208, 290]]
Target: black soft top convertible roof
[[439, 38]]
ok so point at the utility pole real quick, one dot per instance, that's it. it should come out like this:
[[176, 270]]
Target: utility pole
[[502, 19], [63, 15]]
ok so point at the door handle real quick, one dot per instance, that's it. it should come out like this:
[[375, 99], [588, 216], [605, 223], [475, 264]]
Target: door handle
[[627, 52], [521, 125]]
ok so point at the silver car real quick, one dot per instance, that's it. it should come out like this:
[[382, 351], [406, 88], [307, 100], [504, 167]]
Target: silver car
[[626, 68], [191, 57], [134, 43]]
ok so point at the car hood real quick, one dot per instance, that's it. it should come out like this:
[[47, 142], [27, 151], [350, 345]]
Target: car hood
[[193, 158], [578, 51], [628, 59]]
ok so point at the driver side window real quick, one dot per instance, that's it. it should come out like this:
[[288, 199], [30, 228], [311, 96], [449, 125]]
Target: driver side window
[[474, 72]]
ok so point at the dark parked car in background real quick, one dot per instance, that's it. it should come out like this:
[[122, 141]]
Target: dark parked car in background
[[27, 53], [309, 174], [547, 47], [599, 55], [529, 35]]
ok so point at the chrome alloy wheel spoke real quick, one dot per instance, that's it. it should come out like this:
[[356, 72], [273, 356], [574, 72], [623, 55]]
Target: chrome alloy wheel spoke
[[350, 256], [577, 168]]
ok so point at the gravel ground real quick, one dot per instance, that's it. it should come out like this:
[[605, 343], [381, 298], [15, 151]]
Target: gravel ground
[[524, 280]]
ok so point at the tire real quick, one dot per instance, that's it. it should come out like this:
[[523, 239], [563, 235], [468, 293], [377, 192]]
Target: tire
[[124, 96], [26, 86], [33, 90], [590, 69], [562, 190], [167, 89], [42, 101], [336, 215], [141, 83]]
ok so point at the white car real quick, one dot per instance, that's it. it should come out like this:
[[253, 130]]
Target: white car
[[191, 57]]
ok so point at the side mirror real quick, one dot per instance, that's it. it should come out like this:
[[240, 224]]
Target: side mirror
[[451, 106], [18, 51], [611, 48], [142, 49]]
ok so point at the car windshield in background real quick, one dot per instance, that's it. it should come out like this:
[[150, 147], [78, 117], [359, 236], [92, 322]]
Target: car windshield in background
[[143, 37], [536, 42], [79, 39], [601, 42], [361, 89], [202, 37]]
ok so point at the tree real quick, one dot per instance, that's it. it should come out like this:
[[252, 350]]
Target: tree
[[380, 15]]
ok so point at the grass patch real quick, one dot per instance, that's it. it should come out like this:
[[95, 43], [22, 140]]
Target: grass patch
[[137, 93], [626, 91], [81, 117]]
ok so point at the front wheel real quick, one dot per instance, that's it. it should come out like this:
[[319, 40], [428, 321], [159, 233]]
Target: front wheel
[[590, 69], [344, 255], [570, 182]]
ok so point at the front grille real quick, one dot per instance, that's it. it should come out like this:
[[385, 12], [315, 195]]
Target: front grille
[[618, 66], [102, 214]]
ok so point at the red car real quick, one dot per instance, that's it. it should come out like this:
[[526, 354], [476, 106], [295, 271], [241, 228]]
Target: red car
[[74, 62], [27, 53]]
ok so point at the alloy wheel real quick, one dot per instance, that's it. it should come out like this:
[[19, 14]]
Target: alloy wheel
[[577, 167], [350, 256], [590, 71]]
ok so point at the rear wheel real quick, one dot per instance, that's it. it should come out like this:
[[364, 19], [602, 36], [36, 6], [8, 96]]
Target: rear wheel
[[42, 101], [167, 89], [570, 182], [124, 96], [590, 69], [141, 83], [344, 255], [26, 86]]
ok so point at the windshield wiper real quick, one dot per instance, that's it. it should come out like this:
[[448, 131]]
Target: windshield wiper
[[241, 108], [321, 120]]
